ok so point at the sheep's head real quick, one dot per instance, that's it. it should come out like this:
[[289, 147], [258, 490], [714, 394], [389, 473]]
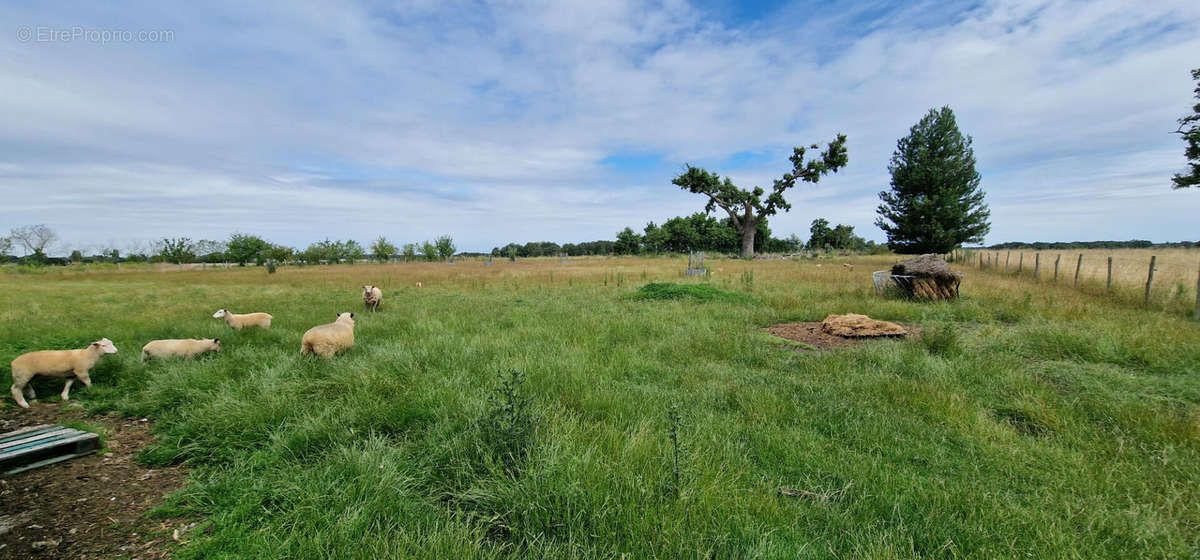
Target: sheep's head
[[220, 314], [105, 345], [367, 290], [215, 345], [345, 317]]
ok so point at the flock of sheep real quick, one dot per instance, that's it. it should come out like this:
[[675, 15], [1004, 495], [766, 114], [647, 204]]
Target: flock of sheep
[[322, 340]]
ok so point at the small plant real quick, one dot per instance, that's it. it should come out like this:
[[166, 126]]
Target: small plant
[[508, 425], [676, 461], [271, 266], [747, 280], [941, 340]]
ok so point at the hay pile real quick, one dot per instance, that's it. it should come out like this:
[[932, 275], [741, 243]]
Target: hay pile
[[853, 325], [932, 278]]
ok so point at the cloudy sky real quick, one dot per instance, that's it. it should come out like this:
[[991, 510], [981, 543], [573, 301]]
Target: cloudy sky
[[552, 121]]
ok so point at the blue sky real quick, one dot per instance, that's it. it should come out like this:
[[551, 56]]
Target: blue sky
[[497, 122]]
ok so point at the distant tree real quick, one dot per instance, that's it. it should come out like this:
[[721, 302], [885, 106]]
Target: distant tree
[[177, 250], [244, 248], [279, 253], [316, 253], [746, 208], [819, 234], [35, 239], [1189, 129], [628, 242], [209, 250], [409, 251], [5, 246], [429, 250], [351, 251], [935, 203], [794, 243], [445, 246], [76, 256], [382, 249]]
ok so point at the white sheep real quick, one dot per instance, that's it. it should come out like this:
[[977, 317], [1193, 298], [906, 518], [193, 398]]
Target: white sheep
[[330, 338], [244, 320], [183, 347], [372, 297], [57, 363]]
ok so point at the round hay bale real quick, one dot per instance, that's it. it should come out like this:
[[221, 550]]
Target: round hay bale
[[927, 277]]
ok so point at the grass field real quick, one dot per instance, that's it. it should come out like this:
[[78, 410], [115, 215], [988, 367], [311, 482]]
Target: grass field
[[1032, 421], [1176, 272]]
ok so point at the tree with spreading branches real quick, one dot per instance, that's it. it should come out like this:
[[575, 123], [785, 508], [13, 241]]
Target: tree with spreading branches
[[1189, 128], [35, 239], [746, 208], [177, 250]]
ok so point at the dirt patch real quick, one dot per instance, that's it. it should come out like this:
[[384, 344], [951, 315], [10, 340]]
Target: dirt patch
[[812, 335], [89, 507]]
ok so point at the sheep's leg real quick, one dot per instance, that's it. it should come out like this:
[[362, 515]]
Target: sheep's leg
[[17, 396], [67, 389], [29, 392]]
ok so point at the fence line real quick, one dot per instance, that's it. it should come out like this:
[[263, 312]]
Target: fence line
[[991, 261]]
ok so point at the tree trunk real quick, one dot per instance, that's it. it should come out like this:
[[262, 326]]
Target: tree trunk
[[748, 232]]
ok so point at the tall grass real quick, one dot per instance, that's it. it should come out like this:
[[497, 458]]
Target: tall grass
[[1043, 423]]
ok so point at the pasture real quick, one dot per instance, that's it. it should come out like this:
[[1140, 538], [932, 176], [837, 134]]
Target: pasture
[[1029, 421]]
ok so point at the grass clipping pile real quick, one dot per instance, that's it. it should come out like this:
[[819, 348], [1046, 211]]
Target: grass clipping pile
[[837, 331], [926, 277]]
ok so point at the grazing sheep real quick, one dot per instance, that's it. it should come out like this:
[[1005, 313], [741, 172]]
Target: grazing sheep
[[186, 347], [331, 338], [848, 266], [57, 363], [372, 297], [244, 320]]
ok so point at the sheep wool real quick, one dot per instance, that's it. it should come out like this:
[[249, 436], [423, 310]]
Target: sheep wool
[[331, 338], [372, 297], [71, 364], [180, 347], [238, 321]]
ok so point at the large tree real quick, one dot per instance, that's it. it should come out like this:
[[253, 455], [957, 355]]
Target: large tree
[[1189, 128], [935, 203], [383, 249], [34, 239], [244, 248], [746, 208], [177, 250]]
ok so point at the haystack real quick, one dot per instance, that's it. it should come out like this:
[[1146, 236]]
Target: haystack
[[853, 325], [927, 277]]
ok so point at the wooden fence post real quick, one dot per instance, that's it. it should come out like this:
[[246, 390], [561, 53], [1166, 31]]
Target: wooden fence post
[[1020, 262], [1078, 265], [1197, 315], [1150, 277], [1056, 259], [1108, 285], [1007, 257], [1037, 264]]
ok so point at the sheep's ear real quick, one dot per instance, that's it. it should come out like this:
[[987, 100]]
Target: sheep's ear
[[351, 315], [216, 341]]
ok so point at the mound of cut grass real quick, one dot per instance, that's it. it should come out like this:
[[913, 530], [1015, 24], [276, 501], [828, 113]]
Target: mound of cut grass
[[694, 292]]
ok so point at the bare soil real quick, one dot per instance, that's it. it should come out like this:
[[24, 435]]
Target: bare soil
[[812, 335], [91, 506]]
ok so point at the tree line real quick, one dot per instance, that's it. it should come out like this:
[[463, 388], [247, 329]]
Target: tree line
[[36, 240], [1054, 245]]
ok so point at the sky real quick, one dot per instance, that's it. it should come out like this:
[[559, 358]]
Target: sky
[[562, 121]]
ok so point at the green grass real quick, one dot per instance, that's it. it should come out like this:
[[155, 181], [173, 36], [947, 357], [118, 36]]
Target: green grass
[[1047, 425], [694, 292]]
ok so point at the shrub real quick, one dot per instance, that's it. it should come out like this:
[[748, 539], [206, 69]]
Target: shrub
[[694, 292], [941, 340]]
